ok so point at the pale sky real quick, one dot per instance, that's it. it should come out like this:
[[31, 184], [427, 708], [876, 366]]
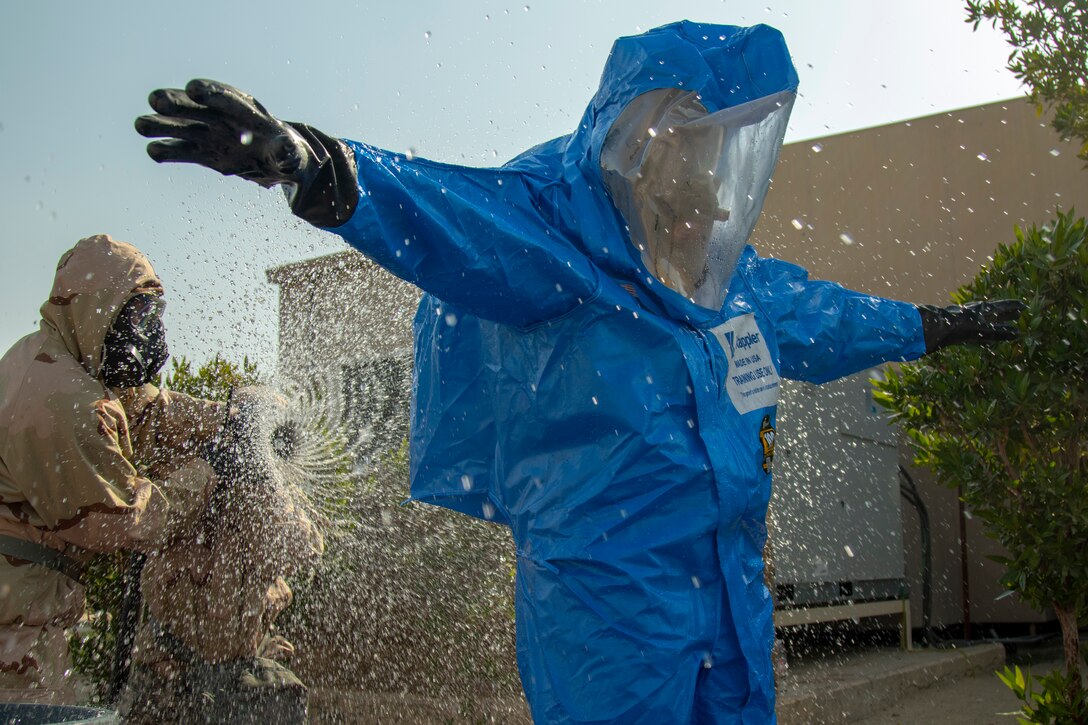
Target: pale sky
[[467, 82]]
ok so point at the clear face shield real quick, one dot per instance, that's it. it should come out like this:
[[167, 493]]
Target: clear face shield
[[690, 185]]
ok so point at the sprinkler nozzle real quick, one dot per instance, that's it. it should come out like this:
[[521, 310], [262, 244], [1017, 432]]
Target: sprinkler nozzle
[[285, 439]]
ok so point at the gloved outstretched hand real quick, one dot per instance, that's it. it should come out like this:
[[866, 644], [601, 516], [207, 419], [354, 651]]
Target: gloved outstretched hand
[[973, 323], [225, 452], [227, 130]]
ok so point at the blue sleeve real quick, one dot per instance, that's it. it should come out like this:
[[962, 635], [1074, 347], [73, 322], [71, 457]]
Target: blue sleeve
[[471, 237], [825, 331]]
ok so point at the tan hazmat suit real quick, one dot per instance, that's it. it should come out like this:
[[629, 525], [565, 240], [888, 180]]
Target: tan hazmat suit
[[69, 448], [202, 650], [219, 588]]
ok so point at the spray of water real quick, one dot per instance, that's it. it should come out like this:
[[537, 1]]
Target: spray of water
[[307, 448], [397, 583]]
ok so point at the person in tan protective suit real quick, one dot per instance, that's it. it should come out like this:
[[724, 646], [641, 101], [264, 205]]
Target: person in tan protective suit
[[93, 458], [76, 419], [202, 652]]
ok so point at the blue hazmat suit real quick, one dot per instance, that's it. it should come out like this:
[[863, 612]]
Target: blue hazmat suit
[[597, 363]]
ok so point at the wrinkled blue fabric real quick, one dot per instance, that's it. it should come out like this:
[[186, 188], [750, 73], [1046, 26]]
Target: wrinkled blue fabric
[[612, 424]]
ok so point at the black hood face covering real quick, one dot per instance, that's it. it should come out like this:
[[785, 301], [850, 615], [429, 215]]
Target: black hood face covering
[[135, 345]]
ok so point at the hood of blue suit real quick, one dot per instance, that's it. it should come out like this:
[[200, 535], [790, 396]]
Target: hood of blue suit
[[673, 156]]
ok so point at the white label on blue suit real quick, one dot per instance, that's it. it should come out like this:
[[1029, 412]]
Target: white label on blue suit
[[752, 381]]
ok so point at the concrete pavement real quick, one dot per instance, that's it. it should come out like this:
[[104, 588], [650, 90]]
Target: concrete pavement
[[867, 685], [887, 686]]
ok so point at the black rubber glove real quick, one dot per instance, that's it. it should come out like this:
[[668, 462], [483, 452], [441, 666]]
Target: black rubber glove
[[973, 323], [224, 452], [227, 130]]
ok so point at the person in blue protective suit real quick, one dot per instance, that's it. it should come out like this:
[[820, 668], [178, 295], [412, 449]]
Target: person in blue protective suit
[[599, 354]]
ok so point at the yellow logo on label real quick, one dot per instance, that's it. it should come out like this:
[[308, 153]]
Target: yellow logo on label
[[766, 438]]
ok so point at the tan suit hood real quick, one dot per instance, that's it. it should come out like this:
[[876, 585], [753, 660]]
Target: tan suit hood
[[93, 282], [65, 449]]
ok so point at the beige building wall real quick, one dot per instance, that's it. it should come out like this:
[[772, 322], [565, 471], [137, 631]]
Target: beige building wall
[[346, 345], [340, 309], [908, 210]]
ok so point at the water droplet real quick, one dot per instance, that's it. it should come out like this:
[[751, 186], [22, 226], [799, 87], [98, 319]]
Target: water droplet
[[410, 153], [849, 551], [817, 148], [246, 138], [797, 224], [846, 238], [595, 401], [451, 319], [466, 482], [652, 132], [427, 34], [982, 157], [1055, 152]]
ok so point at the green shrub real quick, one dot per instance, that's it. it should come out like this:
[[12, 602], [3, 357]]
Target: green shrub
[[92, 642], [1050, 56], [1058, 701], [214, 380], [1008, 425]]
